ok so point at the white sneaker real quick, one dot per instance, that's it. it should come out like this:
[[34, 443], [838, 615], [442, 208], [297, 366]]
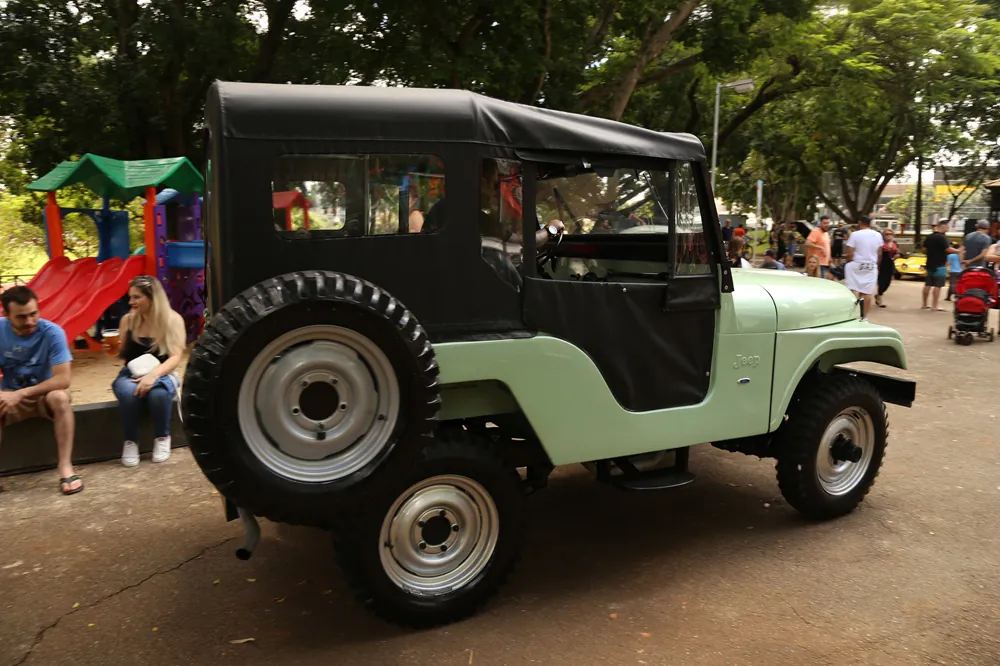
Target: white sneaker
[[130, 454], [161, 449]]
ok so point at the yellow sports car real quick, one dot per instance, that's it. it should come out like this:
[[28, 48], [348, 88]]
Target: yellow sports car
[[915, 265]]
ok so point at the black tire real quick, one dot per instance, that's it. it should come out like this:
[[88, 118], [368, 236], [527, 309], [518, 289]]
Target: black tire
[[951, 332], [815, 406], [965, 339], [238, 333], [359, 539]]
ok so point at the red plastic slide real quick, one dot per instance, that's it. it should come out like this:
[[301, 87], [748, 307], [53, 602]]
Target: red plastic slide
[[63, 276], [102, 294], [46, 272], [78, 289]]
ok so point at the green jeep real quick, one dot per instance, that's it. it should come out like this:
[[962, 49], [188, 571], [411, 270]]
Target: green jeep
[[422, 301]]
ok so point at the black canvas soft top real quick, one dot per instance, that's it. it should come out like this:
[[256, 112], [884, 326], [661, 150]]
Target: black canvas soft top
[[314, 112]]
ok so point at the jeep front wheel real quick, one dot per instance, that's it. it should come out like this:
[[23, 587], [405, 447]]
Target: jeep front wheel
[[831, 449], [432, 545]]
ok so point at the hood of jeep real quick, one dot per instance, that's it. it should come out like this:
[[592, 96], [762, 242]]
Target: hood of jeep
[[800, 301]]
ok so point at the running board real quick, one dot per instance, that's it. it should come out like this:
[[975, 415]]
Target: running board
[[631, 478], [660, 479]]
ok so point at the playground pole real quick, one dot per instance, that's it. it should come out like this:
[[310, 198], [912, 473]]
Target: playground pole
[[53, 225], [149, 234]]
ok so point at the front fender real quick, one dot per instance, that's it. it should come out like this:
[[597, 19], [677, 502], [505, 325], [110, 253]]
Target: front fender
[[798, 352]]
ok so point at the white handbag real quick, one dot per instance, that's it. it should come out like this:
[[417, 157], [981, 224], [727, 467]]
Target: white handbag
[[142, 365]]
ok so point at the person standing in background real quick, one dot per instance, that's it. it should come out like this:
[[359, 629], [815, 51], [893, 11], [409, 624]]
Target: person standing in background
[[818, 245], [727, 230], [975, 245], [887, 265], [864, 251], [954, 272], [839, 235], [936, 248]]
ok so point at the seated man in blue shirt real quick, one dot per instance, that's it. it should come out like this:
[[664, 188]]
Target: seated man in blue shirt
[[35, 361]]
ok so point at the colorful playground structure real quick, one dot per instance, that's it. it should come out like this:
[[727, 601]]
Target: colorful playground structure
[[79, 294]]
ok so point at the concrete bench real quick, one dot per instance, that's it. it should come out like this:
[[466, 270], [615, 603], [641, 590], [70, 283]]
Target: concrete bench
[[30, 445]]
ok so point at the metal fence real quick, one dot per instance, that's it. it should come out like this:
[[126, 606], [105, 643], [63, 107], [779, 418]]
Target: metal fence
[[14, 280]]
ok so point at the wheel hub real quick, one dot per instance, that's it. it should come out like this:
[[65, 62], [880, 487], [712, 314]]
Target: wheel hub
[[319, 403], [845, 451], [319, 400], [439, 535]]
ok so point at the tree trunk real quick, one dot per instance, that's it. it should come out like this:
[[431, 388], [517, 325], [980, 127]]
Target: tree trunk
[[545, 15], [919, 207], [648, 52], [278, 13]]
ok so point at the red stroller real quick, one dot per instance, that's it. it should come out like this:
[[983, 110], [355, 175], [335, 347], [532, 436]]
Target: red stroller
[[976, 293]]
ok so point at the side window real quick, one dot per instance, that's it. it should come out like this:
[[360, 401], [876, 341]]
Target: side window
[[357, 195], [692, 250], [500, 218]]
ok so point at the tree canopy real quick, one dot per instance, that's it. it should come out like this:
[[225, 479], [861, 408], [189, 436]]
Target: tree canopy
[[846, 93]]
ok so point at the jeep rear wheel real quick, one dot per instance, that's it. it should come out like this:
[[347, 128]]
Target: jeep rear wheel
[[831, 448], [432, 545], [304, 386]]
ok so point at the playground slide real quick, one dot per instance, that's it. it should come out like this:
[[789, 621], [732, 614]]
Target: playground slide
[[46, 272], [64, 278], [77, 290], [103, 292]]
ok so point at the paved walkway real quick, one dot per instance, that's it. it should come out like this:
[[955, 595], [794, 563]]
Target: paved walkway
[[139, 569]]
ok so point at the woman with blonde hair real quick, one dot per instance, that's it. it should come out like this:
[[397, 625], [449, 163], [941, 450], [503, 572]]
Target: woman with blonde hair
[[153, 338]]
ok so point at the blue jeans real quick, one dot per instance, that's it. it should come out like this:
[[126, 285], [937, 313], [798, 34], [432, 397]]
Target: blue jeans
[[159, 399]]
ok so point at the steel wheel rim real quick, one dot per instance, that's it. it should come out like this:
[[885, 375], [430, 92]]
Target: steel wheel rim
[[285, 437], [841, 477], [423, 558]]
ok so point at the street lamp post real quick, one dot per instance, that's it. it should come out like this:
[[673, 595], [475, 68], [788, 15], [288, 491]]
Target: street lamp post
[[742, 86]]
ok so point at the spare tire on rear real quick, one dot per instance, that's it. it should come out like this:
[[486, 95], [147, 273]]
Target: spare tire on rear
[[304, 386]]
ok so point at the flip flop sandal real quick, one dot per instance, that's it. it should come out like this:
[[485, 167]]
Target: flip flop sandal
[[70, 479]]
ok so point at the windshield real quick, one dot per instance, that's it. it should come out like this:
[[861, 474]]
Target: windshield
[[608, 201]]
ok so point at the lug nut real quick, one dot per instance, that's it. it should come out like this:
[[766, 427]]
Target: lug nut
[[295, 410], [422, 545], [343, 406], [444, 548], [454, 528], [420, 523]]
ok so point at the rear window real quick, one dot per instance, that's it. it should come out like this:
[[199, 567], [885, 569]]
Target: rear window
[[357, 195]]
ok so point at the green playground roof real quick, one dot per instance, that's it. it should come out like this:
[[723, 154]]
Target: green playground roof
[[123, 180]]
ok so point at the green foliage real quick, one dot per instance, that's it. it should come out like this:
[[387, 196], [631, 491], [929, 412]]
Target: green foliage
[[852, 90], [883, 82]]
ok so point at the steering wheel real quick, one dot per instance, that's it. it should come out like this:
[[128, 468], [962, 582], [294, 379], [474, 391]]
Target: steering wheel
[[546, 254]]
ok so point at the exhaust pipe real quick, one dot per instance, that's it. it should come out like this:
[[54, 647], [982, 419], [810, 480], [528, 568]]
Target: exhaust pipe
[[251, 535]]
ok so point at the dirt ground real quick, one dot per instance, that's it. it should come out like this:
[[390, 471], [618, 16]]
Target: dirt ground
[[139, 569], [94, 372]]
